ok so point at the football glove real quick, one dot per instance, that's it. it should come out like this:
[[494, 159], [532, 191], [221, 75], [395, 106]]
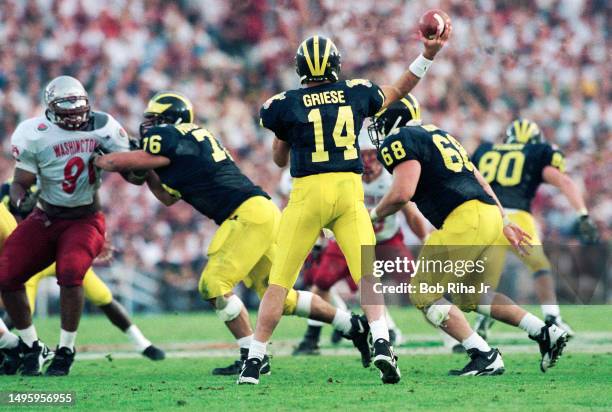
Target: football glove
[[24, 206], [587, 230]]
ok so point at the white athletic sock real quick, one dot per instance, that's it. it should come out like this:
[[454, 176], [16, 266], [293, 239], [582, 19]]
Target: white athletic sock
[[315, 323], [67, 339], [257, 349], [379, 329], [475, 341], [551, 310], [531, 324], [137, 338], [342, 321], [390, 322], [8, 340], [245, 342], [28, 335]]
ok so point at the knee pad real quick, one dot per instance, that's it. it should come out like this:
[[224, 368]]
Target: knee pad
[[304, 301], [228, 309], [437, 314]]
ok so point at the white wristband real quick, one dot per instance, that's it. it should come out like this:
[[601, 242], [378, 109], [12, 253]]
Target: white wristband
[[373, 215], [583, 212], [419, 66]]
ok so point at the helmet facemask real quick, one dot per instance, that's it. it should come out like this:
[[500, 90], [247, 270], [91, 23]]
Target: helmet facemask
[[70, 113]]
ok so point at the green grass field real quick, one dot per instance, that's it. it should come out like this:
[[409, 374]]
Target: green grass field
[[581, 381]]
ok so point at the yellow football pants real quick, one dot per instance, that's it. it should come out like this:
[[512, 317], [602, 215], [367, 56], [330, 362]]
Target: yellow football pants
[[327, 200], [469, 233], [95, 289], [536, 260], [243, 250]]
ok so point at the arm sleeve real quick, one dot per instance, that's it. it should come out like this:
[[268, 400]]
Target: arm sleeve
[[376, 101], [553, 157], [23, 151], [397, 149], [270, 115], [160, 141], [373, 93], [117, 137]]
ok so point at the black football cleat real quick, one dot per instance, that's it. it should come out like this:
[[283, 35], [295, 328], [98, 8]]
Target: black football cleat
[[60, 366], [154, 353], [307, 347], [458, 348], [556, 320], [236, 367], [11, 360], [251, 369], [552, 339], [34, 358], [481, 364], [359, 333], [386, 361]]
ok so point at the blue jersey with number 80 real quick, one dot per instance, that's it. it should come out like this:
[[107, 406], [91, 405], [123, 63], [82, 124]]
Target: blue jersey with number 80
[[514, 170]]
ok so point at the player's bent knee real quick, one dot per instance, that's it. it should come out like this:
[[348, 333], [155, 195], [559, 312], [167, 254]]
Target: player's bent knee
[[291, 302], [437, 314], [228, 308], [100, 297]]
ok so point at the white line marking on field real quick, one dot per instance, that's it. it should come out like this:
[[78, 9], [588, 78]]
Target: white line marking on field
[[585, 342]]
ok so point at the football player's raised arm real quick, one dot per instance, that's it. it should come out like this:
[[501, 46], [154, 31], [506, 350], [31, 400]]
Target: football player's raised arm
[[280, 152], [129, 161], [567, 186], [409, 79], [415, 219], [405, 178], [20, 196], [155, 186]]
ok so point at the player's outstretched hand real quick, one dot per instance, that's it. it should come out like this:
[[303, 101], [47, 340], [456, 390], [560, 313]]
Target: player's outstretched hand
[[518, 238], [433, 46], [106, 255]]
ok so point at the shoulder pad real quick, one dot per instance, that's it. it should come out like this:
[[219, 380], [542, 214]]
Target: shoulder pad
[[280, 96], [99, 120], [357, 82]]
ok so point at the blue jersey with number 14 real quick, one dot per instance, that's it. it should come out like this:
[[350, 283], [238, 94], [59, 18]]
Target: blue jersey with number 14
[[321, 124]]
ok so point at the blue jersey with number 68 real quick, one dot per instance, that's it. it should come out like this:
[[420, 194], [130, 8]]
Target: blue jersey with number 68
[[321, 124], [447, 176]]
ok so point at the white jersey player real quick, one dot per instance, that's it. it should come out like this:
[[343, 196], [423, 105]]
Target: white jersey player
[[66, 227]]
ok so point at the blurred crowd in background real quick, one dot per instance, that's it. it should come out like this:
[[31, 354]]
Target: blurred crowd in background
[[547, 60]]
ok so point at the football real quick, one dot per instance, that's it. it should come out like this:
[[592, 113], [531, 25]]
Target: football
[[433, 23]]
